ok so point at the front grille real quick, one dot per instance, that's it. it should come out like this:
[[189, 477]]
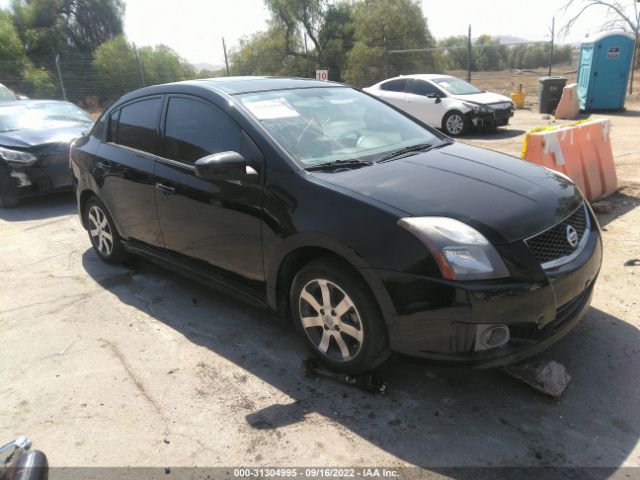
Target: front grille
[[552, 244]]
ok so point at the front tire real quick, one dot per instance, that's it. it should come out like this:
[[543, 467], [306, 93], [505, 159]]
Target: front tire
[[338, 317], [103, 234], [455, 124]]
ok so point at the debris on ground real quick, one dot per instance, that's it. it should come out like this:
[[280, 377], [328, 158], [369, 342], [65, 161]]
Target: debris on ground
[[603, 206], [369, 382], [546, 376], [634, 262]]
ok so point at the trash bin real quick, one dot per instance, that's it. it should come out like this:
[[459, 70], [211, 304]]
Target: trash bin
[[551, 93]]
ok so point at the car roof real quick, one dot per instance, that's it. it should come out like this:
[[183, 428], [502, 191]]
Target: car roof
[[422, 76], [234, 85]]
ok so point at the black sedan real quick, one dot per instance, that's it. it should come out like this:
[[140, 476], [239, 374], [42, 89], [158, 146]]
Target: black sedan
[[34, 147], [371, 231]]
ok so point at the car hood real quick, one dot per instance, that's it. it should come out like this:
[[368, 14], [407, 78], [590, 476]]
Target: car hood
[[27, 138], [484, 98], [505, 198]]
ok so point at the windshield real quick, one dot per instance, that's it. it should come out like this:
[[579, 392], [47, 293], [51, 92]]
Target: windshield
[[321, 125], [6, 94], [455, 86], [40, 115]]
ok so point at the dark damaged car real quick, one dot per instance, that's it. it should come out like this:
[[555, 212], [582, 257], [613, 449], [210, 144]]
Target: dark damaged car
[[371, 231], [34, 147]]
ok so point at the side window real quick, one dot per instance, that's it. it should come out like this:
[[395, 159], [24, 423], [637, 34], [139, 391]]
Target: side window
[[420, 87], [136, 125], [113, 126], [195, 129], [397, 85]]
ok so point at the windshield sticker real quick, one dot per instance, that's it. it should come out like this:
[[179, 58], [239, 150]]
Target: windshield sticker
[[272, 109]]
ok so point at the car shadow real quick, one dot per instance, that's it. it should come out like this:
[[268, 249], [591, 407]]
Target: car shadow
[[444, 419], [498, 134], [39, 208]]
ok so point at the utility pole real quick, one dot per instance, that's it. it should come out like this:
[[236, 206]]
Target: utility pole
[[386, 59], [469, 56], [553, 36], [634, 59], [64, 92], [135, 51], [226, 60], [306, 52]]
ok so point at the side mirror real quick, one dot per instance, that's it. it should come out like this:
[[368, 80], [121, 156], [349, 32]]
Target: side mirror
[[434, 96], [221, 166]]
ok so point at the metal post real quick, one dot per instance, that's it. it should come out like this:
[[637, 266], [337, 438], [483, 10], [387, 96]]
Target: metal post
[[306, 51], [135, 51], [469, 56], [553, 35], [226, 59], [64, 92], [386, 57], [635, 58]]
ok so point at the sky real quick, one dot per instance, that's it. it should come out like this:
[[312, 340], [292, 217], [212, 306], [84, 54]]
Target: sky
[[194, 28]]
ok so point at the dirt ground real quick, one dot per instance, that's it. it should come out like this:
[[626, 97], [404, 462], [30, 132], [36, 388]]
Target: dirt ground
[[133, 365]]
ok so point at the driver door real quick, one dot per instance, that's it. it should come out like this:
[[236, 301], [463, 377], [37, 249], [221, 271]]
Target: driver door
[[215, 221], [424, 101]]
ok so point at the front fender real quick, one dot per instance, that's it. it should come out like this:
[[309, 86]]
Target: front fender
[[310, 240]]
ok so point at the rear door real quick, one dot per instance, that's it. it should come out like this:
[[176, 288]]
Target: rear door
[[124, 170], [216, 221], [393, 92]]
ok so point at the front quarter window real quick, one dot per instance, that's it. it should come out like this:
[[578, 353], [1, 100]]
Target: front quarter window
[[321, 125]]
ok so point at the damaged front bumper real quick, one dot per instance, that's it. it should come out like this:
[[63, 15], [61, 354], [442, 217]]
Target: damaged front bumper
[[496, 118], [444, 320], [49, 173]]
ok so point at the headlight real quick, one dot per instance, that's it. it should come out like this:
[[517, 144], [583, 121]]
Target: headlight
[[479, 108], [16, 156], [461, 251]]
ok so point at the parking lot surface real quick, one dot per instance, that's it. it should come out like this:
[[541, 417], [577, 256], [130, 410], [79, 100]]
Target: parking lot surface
[[134, 365]]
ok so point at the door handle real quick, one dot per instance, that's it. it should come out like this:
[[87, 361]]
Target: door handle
[[166, 189]]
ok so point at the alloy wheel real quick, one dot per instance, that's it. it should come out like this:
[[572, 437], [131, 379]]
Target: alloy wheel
[[330, 320], [455, 124], [100, 230]]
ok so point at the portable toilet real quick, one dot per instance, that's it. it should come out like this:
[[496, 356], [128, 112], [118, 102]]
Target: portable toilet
[[603, 71]]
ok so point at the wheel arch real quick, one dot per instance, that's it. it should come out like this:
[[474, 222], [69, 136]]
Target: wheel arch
[[299, 252]]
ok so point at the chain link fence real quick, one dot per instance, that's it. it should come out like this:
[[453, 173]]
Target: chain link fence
[[495, 67]]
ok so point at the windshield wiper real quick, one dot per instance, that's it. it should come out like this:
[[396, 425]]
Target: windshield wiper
[[420, 147], [338, 164]]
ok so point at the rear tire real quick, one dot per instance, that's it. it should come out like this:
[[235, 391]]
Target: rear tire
[[102, 232], [337, 316]]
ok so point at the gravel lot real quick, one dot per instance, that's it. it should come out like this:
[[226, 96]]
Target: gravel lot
[[114, 366]]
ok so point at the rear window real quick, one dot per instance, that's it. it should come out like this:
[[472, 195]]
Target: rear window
[[394, 85], [136, 125]]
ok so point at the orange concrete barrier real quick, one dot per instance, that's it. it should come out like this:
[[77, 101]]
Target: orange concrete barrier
[[580, 150], [569, 106]]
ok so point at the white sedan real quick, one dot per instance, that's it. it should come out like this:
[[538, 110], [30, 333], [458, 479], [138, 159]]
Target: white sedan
[[445, 102]]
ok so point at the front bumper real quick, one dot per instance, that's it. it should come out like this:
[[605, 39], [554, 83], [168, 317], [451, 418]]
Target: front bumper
[[47, 174], [497, 118], [437, 319]]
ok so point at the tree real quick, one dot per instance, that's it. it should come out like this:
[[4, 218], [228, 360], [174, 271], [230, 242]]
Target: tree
[[116, 70], [624, 15], [47, 26], [402, 25], [161, 64], [267, 53], [12, 57]]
